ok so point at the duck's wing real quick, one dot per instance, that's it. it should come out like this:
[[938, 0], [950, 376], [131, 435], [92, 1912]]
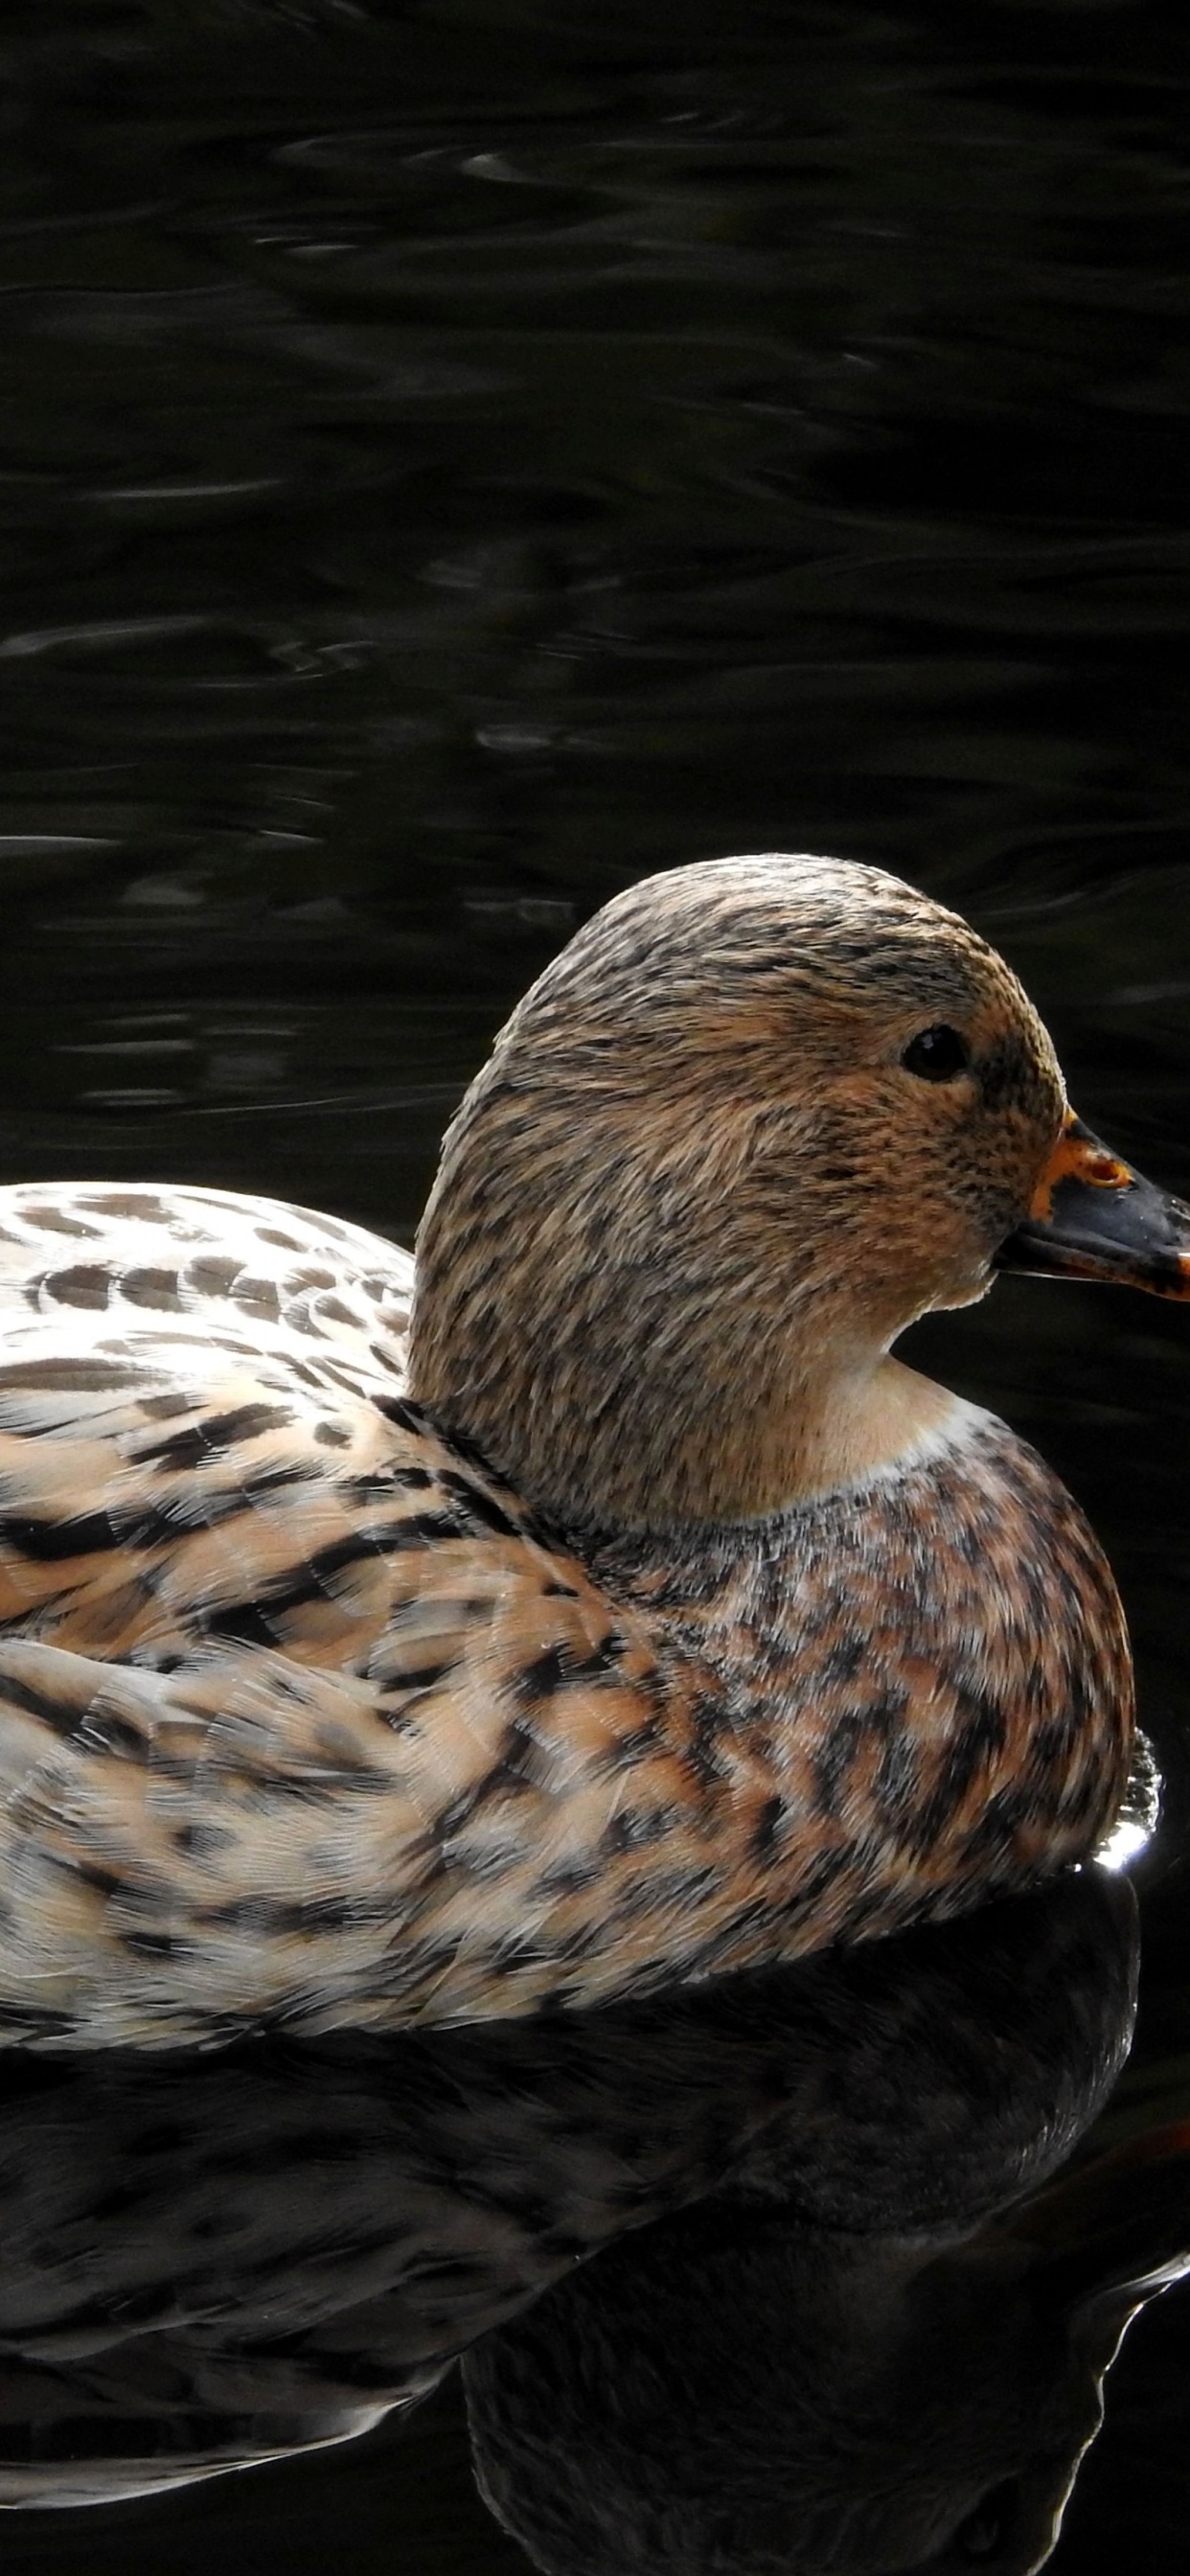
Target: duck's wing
[[297, 1715], [214, 1260]]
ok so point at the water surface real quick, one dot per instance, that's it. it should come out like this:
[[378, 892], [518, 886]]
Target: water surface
[[456, 458]]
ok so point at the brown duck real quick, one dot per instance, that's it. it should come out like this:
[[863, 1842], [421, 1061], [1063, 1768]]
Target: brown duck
[[617, 1612]]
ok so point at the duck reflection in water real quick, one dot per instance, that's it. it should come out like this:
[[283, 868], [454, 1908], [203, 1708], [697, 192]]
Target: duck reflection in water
[[759, 2397], [849, 2365], [816, 2345]]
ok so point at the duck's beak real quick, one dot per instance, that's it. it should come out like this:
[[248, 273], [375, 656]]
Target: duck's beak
[[1093, 1217]]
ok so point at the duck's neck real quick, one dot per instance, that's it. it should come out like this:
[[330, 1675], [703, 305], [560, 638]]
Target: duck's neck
[[651, 1442], [840, 1433], [600, 1307]]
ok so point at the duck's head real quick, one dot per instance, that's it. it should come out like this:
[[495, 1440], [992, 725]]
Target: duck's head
[[756, 1118]]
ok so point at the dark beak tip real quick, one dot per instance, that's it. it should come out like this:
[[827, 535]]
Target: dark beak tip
[[1134, 1237]]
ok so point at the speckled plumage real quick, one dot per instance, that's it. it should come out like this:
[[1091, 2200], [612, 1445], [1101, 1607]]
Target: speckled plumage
[[307, 1713]]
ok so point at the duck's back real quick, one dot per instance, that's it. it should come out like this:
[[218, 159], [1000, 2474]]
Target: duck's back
[[190, 1384], [102, 1260], [298, 1715]]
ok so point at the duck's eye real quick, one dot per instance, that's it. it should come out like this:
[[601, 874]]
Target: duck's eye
[[937, 1054], [987, 2529]]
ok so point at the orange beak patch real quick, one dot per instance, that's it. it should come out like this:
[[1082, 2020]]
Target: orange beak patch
[[1077, 1156]]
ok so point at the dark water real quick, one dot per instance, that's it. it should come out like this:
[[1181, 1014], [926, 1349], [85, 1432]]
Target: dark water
[[454, 459]]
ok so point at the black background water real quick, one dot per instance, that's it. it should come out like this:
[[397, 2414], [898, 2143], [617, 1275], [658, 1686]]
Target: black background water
[[456, 458]]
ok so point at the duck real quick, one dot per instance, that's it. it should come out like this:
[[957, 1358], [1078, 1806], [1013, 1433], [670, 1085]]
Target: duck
[[593, 1603]]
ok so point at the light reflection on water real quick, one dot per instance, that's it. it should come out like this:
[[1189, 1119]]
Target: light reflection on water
[[454, 460], [1140, 1814]]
